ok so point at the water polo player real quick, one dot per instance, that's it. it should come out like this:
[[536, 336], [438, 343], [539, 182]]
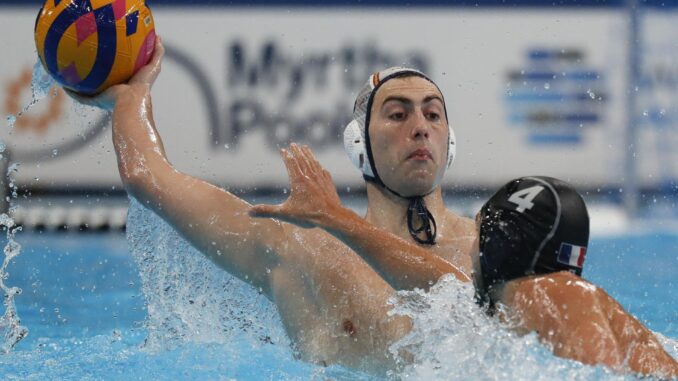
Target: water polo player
[[533, 235], [332, 303]]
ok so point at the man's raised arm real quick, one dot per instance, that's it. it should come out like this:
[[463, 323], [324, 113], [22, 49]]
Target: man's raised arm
[[314, 202], [211, 219]]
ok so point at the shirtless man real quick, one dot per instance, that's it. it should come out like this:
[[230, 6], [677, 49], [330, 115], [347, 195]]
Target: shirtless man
[[333, 304], [533, 235]]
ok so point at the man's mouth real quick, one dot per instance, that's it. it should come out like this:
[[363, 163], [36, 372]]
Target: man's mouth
[[421, 154]]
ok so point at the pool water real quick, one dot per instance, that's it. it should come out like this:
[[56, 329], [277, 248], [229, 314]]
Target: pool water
[[90, 317]]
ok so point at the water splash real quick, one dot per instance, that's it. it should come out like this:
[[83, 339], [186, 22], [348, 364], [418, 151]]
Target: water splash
[[41, 83], [453, 339], [188, 298], [11, 329]]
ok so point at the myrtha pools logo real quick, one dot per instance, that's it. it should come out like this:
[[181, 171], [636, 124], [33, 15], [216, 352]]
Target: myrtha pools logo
[[556, 96]]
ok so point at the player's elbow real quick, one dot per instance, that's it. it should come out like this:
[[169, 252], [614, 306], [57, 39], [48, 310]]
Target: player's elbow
[[132, 180], [138, 182]]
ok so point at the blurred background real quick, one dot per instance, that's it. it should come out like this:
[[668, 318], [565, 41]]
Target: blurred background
[[585, 90], [582, 90]]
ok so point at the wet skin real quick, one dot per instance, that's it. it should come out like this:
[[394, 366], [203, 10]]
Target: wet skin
[[576, 319], [332, 303]]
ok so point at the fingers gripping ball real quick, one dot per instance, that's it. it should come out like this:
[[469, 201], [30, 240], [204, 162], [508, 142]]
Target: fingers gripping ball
[[90, 45]]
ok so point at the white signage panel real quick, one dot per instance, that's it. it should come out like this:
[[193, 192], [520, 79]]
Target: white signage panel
[[527, 91]]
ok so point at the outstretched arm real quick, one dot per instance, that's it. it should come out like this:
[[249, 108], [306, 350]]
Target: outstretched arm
[[314, 202], [211, 219]]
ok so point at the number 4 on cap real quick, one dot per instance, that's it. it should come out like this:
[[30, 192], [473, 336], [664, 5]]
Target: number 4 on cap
[[523, 198]]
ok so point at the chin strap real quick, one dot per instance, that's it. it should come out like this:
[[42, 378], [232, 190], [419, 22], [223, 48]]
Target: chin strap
[[428, 223], [417, 206]]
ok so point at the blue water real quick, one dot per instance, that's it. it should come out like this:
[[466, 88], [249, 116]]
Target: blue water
[[83, 305]]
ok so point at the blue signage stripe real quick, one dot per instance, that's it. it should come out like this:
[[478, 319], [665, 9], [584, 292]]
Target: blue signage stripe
[[526, 75], [60, 24], [555, 138], [553, 118], [536, 97], [106, 48], [554, 97]]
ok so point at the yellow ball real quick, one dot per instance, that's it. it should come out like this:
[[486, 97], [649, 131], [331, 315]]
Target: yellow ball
[[90, 45]]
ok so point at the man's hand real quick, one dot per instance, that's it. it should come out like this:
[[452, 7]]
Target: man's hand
[[142, 80], [313, 197]]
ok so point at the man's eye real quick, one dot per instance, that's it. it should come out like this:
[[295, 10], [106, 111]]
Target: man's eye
[[433, 116], [397, 116]]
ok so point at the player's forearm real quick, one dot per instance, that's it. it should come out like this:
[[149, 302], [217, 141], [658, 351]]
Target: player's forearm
[[137, 144], [402, 264]]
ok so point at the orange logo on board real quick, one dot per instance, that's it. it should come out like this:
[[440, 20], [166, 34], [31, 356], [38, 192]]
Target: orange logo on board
[[37, 123]]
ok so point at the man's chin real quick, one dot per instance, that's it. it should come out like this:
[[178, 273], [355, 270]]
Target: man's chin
[[417, 186]]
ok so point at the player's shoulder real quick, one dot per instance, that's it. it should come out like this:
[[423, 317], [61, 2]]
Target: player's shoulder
[[559, 288]]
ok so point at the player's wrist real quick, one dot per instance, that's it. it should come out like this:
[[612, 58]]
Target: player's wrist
[[129, 95], [338, 218]]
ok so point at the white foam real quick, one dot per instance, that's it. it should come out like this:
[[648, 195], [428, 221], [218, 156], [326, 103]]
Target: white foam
[[453, 339]]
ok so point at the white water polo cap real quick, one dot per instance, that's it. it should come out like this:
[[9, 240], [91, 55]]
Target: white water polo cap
[[356, 137], [357, 145]]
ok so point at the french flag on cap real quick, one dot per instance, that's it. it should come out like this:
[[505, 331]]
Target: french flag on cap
[[572, 255]]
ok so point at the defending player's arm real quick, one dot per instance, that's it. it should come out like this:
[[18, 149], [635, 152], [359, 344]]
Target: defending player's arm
[[211, 219], [314, 202]]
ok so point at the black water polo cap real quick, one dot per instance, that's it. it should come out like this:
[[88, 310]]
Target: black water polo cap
[[532, 225]]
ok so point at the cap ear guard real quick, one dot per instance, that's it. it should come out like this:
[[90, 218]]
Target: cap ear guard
[[354, 144], [451, 146]]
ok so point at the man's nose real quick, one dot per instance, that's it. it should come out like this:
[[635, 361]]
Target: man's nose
[[420, 129]]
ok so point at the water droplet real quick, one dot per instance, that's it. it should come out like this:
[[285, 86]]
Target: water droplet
[[547, 86], [11, 119], [55, 152]]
